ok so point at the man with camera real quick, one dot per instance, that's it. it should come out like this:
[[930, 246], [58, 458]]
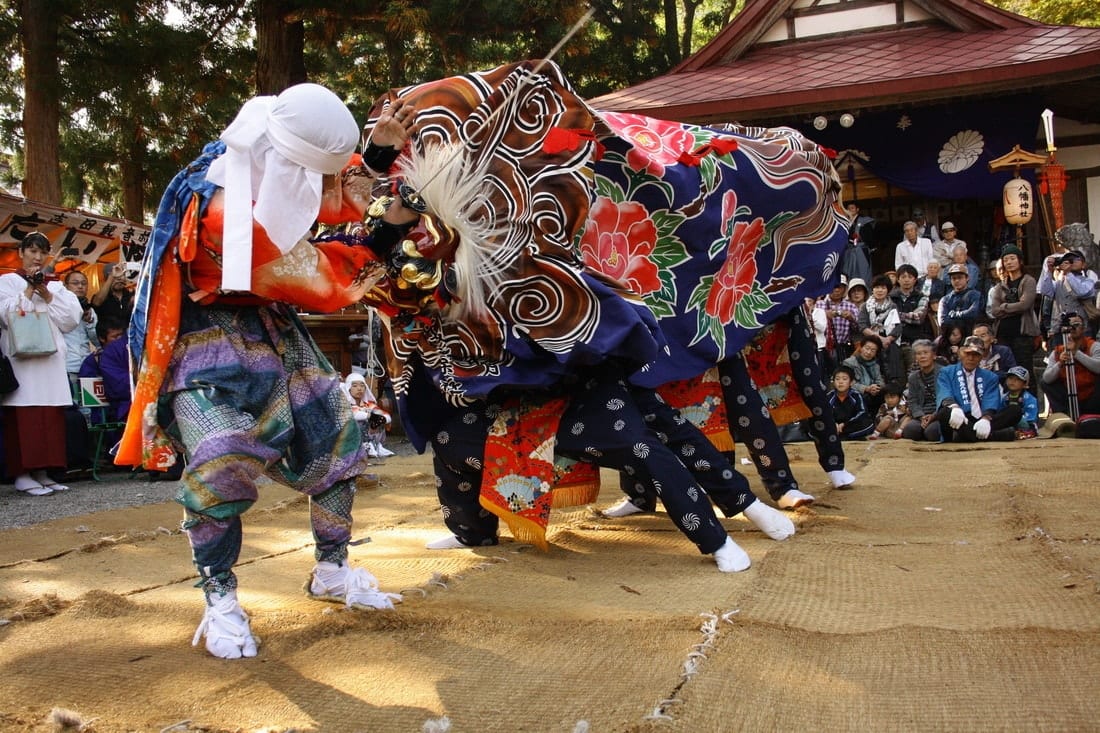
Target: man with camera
[[1070, 285], [114, 301], [1073, 368]]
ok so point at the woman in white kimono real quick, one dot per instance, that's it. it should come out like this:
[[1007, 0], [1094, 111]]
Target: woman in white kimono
[[34, 418]]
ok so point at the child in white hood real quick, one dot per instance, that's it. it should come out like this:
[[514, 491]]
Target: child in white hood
[[372, 419]]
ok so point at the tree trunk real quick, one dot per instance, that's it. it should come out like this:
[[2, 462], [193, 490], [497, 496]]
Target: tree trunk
[[42, 106], [280, 47], [133, 176], [690, 6], [672, 34]]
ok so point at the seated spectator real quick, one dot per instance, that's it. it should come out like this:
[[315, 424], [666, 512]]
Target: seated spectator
[[933, 288], [892, 416], [912, 305], [842, 318], [943, 248], [1081, 353], [948, 343], [853, 422], [997, 358], [371, 418], [913, 249], [960, 256], [867, 379], [962, 304], [878, 316], [922, 395], [111, 363], [857, 292], [1016, 393], [971, 408]]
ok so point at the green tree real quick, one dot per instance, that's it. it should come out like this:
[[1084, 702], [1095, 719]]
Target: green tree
[[1055, 12]]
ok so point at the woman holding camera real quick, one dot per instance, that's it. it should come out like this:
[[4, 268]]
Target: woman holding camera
[[34, 418]]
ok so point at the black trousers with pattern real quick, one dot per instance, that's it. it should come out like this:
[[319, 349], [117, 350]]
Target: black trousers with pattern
[[606, 424], [751, 423]]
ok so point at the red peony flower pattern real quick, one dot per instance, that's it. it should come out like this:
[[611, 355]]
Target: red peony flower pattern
[[618, 240], [735, 279], [657, 143]]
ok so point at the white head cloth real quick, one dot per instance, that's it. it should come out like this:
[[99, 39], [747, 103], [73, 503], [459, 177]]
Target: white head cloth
[[277, 150]]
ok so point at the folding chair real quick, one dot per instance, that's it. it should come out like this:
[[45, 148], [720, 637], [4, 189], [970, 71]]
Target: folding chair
[[93, 396]]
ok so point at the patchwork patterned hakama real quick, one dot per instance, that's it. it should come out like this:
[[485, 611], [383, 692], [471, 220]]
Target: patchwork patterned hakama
[[249, 394]]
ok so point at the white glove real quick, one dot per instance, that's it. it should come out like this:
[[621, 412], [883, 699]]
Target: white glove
[[981, 429], [957, 418]]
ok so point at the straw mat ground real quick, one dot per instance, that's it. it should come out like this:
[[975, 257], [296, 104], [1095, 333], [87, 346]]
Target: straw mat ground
[[954, 589]]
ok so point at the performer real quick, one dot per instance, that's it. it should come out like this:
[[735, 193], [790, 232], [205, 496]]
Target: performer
[[226, 374], [744, 416], [613, 424]]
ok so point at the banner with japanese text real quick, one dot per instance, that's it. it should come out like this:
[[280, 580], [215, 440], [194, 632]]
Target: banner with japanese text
[[78, 237]]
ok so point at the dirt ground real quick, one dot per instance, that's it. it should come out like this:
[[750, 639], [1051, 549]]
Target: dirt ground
[[953, 589]]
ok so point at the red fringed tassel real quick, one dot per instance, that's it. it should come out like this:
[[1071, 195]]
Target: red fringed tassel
[[717, 146], [560, 139]]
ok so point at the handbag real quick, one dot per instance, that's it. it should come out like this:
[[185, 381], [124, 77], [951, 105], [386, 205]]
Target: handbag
[[8, 382], [29, 334]]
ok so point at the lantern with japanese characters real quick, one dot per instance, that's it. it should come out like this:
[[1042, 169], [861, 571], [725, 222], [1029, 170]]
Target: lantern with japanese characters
[[1019, 201]]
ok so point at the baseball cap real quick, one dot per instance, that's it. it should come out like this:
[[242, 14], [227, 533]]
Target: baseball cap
[[1012, 249], [1020, 373], [947, 225], [1070, 256], [957, 269], [973, 343]]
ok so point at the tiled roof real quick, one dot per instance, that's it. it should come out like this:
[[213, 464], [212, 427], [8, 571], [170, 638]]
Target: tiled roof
[[866, 69]]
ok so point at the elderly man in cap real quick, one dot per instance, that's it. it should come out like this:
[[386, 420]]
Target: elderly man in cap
[[942, 247], [963, 304], [971, 407], [227, 376]]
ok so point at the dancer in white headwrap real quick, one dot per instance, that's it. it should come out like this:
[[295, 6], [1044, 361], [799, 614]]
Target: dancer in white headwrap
[[227, 376]]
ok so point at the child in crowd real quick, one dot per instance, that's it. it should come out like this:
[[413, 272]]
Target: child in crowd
[[371, 418], [1016, 393], [853, 422], [893, 416], [947, 345]]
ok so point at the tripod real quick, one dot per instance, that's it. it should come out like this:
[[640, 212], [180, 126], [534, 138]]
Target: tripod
[[1071, 381]]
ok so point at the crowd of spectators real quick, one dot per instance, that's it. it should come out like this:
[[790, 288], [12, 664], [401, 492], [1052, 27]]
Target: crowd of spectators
[[932, 350], [48, 418]]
